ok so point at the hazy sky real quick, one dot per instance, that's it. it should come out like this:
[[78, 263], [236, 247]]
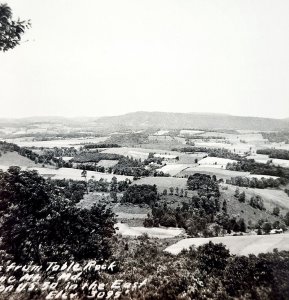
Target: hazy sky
[[92, 58]]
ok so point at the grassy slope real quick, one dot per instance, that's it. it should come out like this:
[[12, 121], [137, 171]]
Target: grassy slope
[[240, 245], [164, 182], [14, 159], [271, 199]]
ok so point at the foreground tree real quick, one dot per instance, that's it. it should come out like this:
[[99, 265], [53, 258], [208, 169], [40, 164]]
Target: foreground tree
[[38, 223], [10, 30], [212, 258]]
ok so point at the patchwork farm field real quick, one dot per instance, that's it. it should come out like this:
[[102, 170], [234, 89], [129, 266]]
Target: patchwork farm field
[[191, 158], [216, 162], [211, 170], [160, 138], [245, 136], [107, 163], [239, 148], [77, 143], [263, 158], [138, 153], [153, 232], [190, 132], [163, 182], [238, 245], [174, 169], [161, 132], [69, 173]]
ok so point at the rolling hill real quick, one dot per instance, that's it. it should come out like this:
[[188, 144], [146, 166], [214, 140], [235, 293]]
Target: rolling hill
[[146, 120], [191, 120]]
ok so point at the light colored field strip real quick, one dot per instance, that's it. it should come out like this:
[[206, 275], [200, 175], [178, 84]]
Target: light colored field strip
[[154, 232], [239, 245]]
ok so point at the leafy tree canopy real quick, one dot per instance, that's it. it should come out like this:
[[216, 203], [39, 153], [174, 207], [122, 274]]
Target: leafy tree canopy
[[10, 30], [38, 223]]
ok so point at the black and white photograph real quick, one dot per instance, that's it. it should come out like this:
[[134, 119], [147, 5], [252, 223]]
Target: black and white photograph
[[144, 149]]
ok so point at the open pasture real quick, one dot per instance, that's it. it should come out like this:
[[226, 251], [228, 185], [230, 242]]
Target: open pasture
[[128, 211], [107, 163], [281, 162], [15, 159], [161, 132], [210, 170], [93, 198], [271, 197], [69, 173], [263, 159], [140, 153], [238, 245], [215, 161], [187, 132], [239, 148], [153, 232], [244, 210], [77, 143], [191, 158], [173, 169], [160, 138], [260, 158], [248, 137], [278, 146], [163, 182]]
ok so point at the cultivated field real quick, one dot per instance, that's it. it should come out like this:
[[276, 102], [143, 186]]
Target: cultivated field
[[260, 158], [107, 163], [163, 182], [153, 232], [211, 170], [69, 173], [190, 132], [263, 158], [239, 148], [191, 158], [161, 132], [160, 138], [216, 162], [77, 143], [239, 245], [173, 169], [140, 153]]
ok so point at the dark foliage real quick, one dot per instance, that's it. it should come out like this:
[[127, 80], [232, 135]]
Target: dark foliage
[[129, 138], [104, 145], [213, 152], [275, 153], [204, 184], [253, 182], [141, 194], [95, 156], [277, 137], [257, 202], [11, 30], [39, 224], [249, 165]]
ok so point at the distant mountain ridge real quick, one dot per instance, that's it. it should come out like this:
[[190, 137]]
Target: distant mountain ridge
[[164, 120], [192, 120]]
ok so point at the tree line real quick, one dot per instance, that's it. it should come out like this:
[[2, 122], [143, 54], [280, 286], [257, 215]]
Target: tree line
[[275, 153]]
